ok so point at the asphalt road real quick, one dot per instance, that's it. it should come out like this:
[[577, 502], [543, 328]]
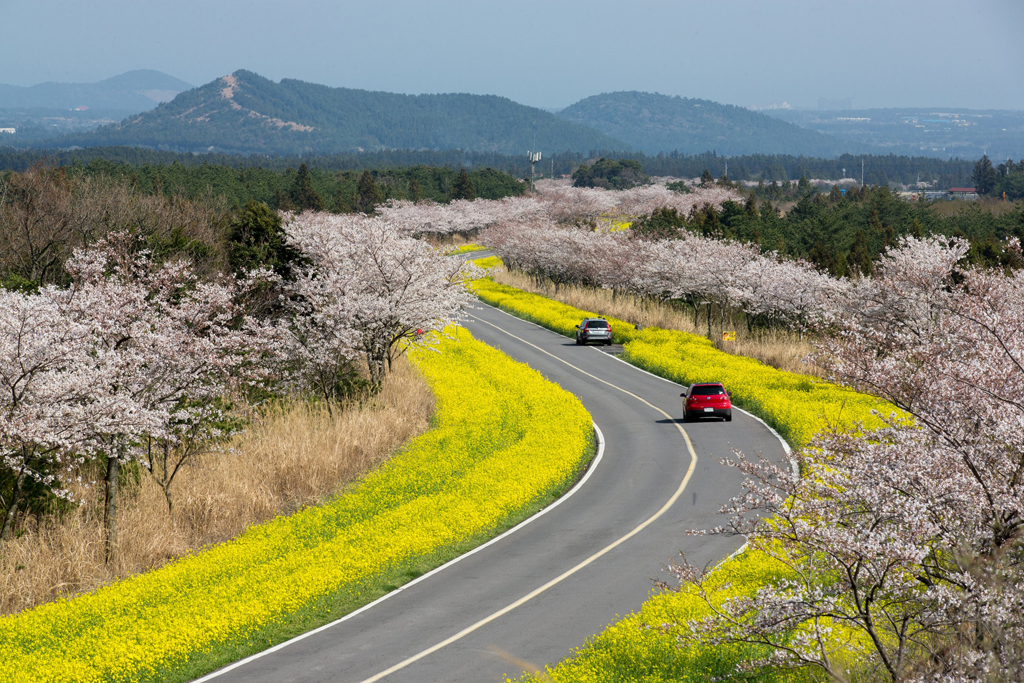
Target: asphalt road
[[532, 596]]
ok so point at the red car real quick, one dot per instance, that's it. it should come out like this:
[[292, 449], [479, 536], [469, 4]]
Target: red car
[[706, 399]]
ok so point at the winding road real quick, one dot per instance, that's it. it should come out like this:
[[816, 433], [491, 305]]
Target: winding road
[[531, 596]]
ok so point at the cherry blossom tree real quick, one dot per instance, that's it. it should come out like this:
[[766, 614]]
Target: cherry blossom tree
[[369, 287], [131, 356], [907, 536], [175, 346], [702, 271], [556, 201], [427, 218], [50, 403]]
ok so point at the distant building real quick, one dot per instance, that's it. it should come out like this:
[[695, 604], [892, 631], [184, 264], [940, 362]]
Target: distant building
[[773, 105], [12, 131], [962, 193], [81, 108]]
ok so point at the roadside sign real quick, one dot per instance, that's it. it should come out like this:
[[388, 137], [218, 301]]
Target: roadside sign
[[729, 335]]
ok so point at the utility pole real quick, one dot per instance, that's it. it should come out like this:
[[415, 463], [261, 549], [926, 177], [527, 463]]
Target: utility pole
[[726, 168], [862, 171], [534, 157]]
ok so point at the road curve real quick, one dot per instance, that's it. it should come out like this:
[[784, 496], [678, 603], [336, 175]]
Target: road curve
[[486, 615]]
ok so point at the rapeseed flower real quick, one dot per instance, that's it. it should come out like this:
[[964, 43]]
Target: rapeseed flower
[[504, 438]]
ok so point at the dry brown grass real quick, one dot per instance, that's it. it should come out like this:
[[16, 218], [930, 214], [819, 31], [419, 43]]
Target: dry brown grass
[[993, 205], [777, 348], [291, 456]]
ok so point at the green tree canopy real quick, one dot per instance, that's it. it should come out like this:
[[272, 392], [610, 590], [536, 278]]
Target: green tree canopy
[[463, 187], [256, 240], [303, 196], [984, 176], [610, 174], [368, 193]]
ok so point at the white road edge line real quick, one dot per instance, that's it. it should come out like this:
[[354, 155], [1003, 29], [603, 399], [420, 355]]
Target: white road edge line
[[785, 446], [280, 646], [594, 557]]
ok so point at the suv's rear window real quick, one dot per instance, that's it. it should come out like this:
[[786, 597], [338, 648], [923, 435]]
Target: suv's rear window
[[707, 391], [597, 324]]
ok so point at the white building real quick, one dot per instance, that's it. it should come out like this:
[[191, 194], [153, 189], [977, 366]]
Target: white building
[[12, 131]]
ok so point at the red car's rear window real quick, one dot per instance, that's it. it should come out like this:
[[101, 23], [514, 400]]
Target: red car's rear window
[[708, 390]]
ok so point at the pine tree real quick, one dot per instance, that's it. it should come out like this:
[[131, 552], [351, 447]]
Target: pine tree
[[303, 195], [283, 201], [256, 239], [859, 261], [984, 176], [415, 191], [463, 187], [751, 205], [345, 200], [368, 194]]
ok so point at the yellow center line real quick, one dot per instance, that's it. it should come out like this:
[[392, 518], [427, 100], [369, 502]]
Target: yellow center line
[[561, 577]]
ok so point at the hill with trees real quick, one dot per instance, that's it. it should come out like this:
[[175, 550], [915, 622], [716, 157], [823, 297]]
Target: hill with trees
[[246, 113], [658, 123], [133, 91]]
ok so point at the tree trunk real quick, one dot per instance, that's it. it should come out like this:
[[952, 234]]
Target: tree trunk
[[375, 362], [110, 509], [170, 502], [12, 511]]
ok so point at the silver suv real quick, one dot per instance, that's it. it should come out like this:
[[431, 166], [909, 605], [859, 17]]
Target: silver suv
[[594, 330]]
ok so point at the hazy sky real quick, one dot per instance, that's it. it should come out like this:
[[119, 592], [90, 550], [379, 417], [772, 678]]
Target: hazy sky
[[953, 53]]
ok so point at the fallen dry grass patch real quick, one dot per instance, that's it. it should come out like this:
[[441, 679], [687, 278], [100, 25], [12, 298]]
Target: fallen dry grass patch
[[292, 455], [777, 348]]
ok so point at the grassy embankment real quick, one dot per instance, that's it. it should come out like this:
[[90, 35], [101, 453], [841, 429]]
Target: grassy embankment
[[645, 646], [497, 423], [291, 455]]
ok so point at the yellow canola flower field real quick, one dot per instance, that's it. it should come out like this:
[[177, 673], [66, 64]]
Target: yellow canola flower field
[[797, 406], [644, 646], [487, 262], [504, 439], [464, 249]]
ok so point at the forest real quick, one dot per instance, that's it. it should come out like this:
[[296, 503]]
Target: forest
[[878, 170], [288, 187], [844, 233]]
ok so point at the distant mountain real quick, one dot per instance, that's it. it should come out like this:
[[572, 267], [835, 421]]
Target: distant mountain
[[133, 91], [658, 123], [942, 132], [246, 113]]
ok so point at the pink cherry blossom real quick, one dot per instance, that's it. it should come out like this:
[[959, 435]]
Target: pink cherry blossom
[[369, 286]]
